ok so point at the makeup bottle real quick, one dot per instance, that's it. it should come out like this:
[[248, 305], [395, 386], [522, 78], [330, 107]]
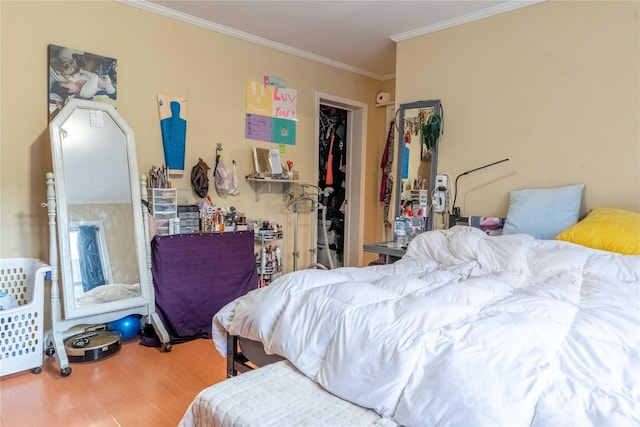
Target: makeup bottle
[[278, 256]]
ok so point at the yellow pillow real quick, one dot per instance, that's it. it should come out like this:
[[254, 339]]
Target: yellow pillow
[[607, 229]]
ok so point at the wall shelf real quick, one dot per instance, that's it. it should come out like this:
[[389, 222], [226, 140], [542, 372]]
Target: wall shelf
[[259, 183]]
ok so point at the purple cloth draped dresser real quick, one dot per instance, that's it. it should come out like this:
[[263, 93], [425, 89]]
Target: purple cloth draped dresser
[[195, 275]]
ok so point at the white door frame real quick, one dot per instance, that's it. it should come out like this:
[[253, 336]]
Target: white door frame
[[354, 192]]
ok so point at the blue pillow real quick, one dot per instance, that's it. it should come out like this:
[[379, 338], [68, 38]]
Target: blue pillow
[[543, 212]]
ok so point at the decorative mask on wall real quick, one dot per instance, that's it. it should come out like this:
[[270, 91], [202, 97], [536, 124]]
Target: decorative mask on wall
[[199, 178]]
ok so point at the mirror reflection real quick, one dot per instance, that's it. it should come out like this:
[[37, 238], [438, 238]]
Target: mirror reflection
[[96, 211], [417, 156], [267, 161], [90, 265], [417, 153], [99, 240]]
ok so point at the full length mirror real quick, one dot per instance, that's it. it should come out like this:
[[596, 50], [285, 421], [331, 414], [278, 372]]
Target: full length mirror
[[100, 227], [419, 128]]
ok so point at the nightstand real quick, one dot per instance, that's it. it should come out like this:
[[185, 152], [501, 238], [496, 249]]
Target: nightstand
[[389, 252]]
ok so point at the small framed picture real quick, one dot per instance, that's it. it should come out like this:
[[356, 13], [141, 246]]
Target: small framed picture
[[77, 74]]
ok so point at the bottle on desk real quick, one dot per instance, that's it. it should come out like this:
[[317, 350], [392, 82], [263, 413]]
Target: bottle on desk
[[400, 232]]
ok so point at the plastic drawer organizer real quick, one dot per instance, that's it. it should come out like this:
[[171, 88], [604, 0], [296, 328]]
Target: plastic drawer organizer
[[21, 335], [164, 208]]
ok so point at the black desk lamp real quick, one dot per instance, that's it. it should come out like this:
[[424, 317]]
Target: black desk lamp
[[455, 212]]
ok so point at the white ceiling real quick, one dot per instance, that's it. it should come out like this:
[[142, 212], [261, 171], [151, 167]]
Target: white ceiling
[[358, 36]]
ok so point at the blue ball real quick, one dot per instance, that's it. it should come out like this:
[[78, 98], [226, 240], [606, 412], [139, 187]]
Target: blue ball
[[128, 326]]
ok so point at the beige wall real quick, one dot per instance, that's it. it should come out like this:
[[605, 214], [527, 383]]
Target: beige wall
[[157, 55], [553, 86]]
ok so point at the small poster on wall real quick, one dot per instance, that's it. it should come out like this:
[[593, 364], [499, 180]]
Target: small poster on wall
[[270, 113], [77, 74]]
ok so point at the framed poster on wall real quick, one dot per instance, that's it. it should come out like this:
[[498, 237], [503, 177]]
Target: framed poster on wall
[[77, 74]]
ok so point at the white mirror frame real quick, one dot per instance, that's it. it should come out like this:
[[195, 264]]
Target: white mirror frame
[[58, 133]]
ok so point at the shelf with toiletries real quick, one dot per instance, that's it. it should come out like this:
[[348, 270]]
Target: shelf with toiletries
[[260, 181], [269, 256]]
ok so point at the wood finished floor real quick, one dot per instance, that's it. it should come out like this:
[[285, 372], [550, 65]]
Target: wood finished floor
[[138, 386]]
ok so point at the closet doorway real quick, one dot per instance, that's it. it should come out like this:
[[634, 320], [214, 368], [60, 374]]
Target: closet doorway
[[339, 150], [332, 167]]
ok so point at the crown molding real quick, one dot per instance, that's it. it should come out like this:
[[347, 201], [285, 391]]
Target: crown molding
[[170, 13], [464, 19]]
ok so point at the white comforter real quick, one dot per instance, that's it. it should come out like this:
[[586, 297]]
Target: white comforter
[[465, 329]]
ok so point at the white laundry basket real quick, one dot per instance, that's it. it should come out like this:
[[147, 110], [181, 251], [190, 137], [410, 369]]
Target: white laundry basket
[[21, 335]]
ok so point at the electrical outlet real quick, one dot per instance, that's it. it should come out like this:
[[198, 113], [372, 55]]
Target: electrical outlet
[[439, 199]]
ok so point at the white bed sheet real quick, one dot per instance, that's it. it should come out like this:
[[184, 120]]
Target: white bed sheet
[[466, 329], [275, 395]]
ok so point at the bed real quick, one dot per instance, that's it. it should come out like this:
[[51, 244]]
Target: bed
[[465, 329], [275, 395]]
